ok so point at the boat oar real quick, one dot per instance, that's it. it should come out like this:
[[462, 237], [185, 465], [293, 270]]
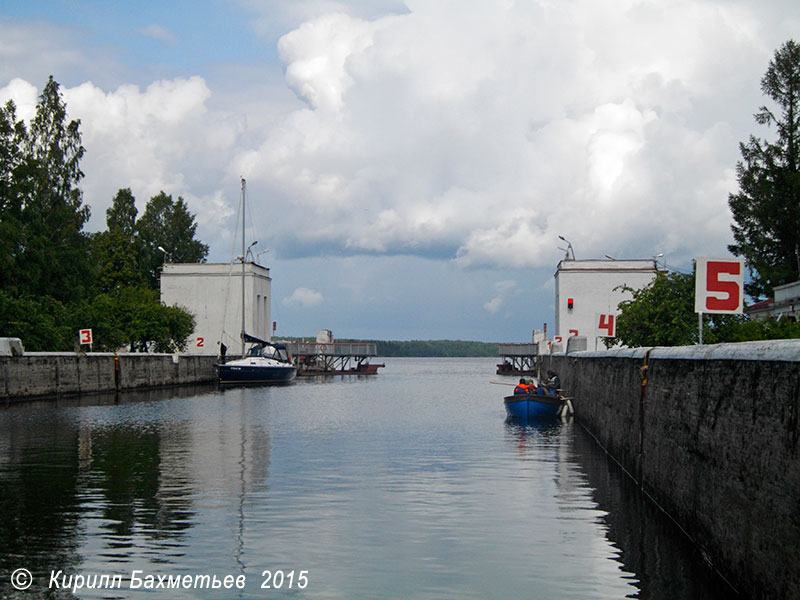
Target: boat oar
[[502, 383]]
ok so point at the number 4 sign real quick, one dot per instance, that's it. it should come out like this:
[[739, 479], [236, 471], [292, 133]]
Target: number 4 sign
[[719, 286], [606, 325]]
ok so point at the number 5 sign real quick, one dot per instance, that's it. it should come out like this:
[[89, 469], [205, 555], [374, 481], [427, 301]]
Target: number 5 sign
[[719, 286]]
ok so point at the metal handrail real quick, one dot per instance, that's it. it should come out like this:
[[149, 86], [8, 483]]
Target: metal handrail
[[518, 349], [333, 349]]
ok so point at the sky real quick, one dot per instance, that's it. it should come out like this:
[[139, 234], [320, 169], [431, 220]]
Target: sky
[[411, 165]]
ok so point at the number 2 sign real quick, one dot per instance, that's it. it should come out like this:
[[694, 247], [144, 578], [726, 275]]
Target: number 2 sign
[[719, 286]]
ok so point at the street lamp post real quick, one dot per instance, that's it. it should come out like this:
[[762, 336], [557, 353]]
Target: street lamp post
[[260, 253], [249, 251], [568, 250]]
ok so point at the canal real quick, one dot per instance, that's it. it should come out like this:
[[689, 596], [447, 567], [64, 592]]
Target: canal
[[409, 484]]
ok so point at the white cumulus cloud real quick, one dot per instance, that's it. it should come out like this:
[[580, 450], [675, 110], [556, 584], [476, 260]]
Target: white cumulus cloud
[[503, 289], [304, 297], [159, 138], [482, 131], [24, 95], [494, 305], [159, 33], [459, 130]]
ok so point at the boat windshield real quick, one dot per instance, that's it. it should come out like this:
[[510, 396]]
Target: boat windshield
[[265, 351], [269, 352]]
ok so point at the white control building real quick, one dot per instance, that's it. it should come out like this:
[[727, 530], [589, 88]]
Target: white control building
[[212, 292], [588, 296]]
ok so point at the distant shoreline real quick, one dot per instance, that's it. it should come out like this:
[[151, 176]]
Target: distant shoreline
[[423, 348]]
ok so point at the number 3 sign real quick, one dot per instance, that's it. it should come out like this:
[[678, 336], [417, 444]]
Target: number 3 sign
[[719, 286]]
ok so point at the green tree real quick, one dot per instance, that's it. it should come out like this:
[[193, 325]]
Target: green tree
[[115, 261], [769, 329], [117, 252], [662, 314], [53, 252], [766, 209], [150, 325], [44, 265], [13, 137], [47, 287], [42, 323], [121, 215], [134, 317], [170, 225]]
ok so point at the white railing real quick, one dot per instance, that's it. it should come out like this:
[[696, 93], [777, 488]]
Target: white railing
[[333, 349], [518, 349]]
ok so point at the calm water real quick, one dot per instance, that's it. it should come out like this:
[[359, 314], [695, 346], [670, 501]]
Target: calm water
[[405, 485]]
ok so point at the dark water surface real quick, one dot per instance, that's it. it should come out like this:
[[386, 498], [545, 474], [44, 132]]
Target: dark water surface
[[405, 485]]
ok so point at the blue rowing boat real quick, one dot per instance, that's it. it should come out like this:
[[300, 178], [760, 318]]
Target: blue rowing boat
[[541, 404]]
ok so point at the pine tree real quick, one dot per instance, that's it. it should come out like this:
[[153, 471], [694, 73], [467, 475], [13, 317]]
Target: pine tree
[[122, 213], [766, 210], [168, 224], [117, 252]]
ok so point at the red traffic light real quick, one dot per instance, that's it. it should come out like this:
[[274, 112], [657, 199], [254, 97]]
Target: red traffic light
[[569, 303]]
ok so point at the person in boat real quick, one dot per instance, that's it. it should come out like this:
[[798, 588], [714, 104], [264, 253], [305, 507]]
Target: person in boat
[[553, 382], [223, 350], [551, 385], [523, 387]]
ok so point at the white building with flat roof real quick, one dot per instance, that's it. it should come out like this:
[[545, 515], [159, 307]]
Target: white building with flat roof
[[785, 304], [587, 295], [212, 292]]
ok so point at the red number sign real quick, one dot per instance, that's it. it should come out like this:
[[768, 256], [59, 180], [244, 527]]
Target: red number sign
[[719, 285], [607, 325], [85, 336], [200, 342]]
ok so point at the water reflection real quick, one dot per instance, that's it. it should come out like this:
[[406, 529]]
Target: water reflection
[[644, 540], [85, 488], [668, 564], [39, 501], [380, 488]]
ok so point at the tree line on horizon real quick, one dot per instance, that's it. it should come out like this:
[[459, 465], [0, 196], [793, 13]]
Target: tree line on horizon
[[420, 348], [54, 277]]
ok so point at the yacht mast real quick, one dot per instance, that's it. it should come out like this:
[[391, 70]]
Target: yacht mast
[[243, 265]]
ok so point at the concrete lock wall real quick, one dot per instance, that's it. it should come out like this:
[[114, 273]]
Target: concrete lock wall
[[713, 439], [41, 374]]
